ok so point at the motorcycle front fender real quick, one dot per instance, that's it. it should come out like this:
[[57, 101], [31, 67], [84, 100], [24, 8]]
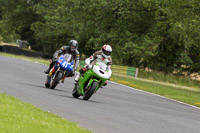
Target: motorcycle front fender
[[58, 71]]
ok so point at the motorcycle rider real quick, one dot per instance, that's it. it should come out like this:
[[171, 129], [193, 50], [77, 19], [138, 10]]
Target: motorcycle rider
[[71, 49], [103, 56]]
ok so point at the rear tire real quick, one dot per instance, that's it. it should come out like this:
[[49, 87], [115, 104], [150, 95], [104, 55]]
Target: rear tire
[[75, 92], [56, 80], [91, 91], [47, 85]]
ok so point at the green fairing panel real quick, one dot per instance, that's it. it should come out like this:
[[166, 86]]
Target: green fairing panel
[[87, 76]]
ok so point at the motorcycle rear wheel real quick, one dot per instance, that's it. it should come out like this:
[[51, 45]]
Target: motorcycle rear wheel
[[75, 92], [47, 85]]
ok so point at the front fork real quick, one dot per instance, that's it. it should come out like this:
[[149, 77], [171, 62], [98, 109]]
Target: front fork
[[52, 72], [89, 85]]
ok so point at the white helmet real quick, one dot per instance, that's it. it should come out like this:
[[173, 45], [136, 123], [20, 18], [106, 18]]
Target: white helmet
[[106, 51]]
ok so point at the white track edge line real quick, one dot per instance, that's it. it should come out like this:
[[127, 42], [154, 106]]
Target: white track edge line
[[155, 95]]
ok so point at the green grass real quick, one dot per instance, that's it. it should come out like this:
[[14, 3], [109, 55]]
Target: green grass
[[20, 117], [174, 92], [169, 78]]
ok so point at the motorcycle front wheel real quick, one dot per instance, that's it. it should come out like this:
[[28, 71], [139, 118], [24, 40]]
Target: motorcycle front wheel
[[91, 91], [56, 80]]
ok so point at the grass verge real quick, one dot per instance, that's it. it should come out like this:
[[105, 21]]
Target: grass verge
[[190, 96], [20, 117], [169, 78]]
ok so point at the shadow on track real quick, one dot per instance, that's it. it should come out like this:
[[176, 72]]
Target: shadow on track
[[80, 99], [39, 86]]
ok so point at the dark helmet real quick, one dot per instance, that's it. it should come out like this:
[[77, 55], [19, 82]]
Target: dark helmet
[[73, 44]]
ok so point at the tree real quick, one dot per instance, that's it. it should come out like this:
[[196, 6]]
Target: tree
[[161, 35]]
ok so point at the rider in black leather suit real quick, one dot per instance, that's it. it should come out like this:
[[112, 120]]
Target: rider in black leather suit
[[71, 49]]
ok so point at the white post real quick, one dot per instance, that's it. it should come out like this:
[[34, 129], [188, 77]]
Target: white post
[[136, 72]]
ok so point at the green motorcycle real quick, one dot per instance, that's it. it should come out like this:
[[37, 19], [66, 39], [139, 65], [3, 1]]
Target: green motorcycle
[[92, 80]]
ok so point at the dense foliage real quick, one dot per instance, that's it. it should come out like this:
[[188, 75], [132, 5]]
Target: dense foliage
[[158, 34]]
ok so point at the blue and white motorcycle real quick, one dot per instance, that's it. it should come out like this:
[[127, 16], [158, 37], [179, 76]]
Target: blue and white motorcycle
[[60, 70]]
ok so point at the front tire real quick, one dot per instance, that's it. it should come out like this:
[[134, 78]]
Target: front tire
[[91, 91], [56, 80]]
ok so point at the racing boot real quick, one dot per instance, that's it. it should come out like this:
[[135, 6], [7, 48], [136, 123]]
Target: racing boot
[[46, 71], [50, 66]]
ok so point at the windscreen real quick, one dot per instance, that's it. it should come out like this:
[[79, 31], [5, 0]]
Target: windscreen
[[103, 66], [68, 57]]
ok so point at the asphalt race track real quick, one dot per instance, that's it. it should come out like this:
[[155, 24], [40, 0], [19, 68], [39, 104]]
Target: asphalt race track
[[113, 109]]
